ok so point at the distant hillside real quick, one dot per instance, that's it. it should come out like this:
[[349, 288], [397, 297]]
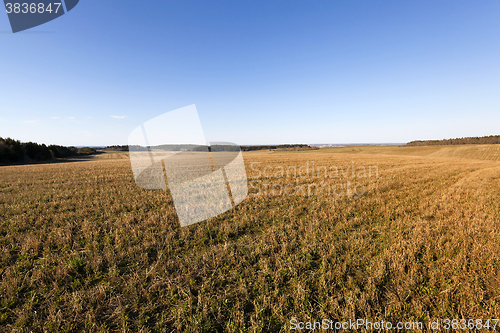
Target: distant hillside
[[492, 139], [17, 152]]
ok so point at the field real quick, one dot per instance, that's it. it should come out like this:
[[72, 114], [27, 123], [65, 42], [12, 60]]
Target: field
[[413, 234]]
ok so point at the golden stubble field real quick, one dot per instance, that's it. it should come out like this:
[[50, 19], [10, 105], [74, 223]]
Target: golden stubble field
[[84, 249]]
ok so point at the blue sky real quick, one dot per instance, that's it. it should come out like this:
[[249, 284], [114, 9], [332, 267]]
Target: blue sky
[[258, 71]]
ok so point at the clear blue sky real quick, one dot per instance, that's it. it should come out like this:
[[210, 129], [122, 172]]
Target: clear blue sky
[[258, 71]]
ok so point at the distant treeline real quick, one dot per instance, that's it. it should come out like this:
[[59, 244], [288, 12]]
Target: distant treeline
[[492, 139], [117, 148], [17, 152], [216, 147], [279, 147]]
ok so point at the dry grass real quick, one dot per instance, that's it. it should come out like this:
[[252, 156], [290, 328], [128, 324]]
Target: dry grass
[[84, 249], [479, 152]]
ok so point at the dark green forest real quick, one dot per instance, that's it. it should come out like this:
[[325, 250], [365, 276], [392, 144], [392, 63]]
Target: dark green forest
[[492, 139], [17, 152]]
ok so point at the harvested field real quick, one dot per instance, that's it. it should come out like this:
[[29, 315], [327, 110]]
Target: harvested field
[[84, 249]]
